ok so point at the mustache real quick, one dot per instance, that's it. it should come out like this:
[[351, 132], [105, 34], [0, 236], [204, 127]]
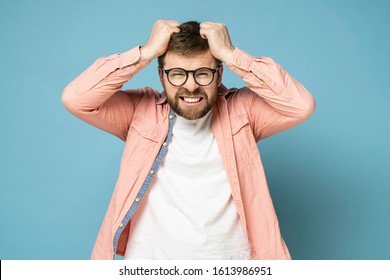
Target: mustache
[[186, 92]]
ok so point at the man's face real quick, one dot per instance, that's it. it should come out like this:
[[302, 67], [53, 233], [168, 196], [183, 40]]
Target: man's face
[[191, 100]]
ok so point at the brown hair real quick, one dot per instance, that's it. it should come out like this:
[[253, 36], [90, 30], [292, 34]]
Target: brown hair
[[186, 42]]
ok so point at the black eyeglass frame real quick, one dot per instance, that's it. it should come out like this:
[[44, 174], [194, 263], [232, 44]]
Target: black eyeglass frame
[[213, 70]]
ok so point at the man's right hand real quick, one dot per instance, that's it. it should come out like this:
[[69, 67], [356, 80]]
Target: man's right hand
[[159, 38]]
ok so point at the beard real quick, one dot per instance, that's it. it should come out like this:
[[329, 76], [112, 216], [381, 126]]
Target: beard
[[191, 112]]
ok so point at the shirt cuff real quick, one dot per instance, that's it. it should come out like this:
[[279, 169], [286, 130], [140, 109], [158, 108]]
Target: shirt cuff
[[240, 62], [245, 65], [133, 57]]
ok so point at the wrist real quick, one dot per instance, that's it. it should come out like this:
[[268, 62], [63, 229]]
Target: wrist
[[146, 53], [227, 54]]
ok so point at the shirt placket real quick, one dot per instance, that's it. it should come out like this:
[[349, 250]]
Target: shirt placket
[[146, 184], [231, 162]]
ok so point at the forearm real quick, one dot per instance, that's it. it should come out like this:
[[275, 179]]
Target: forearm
[[95, 95], [280, 102], [102, 80]]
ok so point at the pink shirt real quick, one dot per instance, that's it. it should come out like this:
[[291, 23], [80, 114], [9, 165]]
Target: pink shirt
[[272, 102]]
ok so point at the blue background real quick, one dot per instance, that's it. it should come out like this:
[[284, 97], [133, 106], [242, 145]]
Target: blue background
[[329, 177]]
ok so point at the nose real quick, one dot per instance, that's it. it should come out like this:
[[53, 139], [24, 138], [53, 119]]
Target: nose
[[190, 84]]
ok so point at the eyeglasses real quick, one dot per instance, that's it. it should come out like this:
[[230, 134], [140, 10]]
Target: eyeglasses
[[202, 76]]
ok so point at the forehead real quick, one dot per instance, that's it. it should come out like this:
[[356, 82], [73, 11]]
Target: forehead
[[189, 62]]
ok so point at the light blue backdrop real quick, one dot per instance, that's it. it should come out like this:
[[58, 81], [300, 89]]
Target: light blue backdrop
[[329, 177]]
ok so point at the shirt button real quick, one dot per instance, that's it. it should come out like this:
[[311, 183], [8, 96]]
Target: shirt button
[[145, 133], [234, 130], [170, 117], [151, 171], [238, 62], [132, 59], [233, 68], [137, 65], [120, 225], [137, 199], [261, 83], [165, 144]]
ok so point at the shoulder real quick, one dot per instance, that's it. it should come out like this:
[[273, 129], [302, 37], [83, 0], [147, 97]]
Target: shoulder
[[239, 96]]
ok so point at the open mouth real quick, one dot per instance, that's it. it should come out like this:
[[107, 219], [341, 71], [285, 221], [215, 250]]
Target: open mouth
[[191, 99]]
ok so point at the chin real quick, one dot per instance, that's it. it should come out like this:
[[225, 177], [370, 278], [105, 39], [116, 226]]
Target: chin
[[192, 114]]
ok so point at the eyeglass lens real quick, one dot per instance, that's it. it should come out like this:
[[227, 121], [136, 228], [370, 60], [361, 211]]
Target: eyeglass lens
[[202, 76]]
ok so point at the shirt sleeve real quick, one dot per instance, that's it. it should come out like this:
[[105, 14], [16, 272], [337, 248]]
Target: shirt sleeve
[[273, 99], [96, 97]]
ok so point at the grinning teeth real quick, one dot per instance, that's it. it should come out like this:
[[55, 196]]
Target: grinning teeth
[[191, 99]]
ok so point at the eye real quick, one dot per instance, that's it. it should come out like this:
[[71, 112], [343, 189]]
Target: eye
[[177, 73], [203, 73]]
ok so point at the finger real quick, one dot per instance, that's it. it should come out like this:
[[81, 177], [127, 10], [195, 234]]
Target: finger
[[168, 22], [202, 33], [204, 30], [176, 30], [174, 26], [207, 24], [173, 22]]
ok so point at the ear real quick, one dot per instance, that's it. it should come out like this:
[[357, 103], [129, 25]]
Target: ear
[[220, 71], [161, 75]]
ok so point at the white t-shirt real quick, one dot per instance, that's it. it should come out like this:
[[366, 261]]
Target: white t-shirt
[[188, 211]]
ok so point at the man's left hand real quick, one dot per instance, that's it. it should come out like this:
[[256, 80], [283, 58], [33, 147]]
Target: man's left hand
[[218, 38]]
